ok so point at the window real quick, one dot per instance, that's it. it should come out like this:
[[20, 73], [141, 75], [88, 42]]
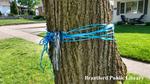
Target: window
[[122, 8], [131, 7], [140, 7]]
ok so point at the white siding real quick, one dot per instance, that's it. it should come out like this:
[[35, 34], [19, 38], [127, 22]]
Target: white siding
[[147, 17], [116, 17]]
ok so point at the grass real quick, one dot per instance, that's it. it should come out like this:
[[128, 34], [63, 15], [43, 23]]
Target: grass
[[134, 41], [42, 34], [18, 21], [19, 64], [136, 79]]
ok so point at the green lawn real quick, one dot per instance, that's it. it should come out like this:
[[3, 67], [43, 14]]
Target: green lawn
[[136, 79], [18, 21], [134, 41], [42, 34], [19, 64]]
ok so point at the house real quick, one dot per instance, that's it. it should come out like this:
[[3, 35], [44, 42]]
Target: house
[[22, 9], [131, 9], [40, 9], [5, 7]]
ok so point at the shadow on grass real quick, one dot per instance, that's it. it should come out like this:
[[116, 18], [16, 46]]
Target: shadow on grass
[[132, 29]]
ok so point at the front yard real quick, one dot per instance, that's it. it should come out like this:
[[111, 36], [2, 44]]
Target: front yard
[[18, 21], [19, 64], [134, 41]]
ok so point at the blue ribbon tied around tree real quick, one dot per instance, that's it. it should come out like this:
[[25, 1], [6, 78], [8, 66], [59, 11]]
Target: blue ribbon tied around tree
[[93, 31]]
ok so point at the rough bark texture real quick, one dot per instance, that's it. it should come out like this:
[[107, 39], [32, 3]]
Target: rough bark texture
[[87, 58]]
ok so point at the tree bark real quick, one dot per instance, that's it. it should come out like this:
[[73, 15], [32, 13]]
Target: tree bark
[[81, 60]]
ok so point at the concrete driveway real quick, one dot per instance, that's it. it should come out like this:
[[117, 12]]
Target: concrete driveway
[[24, 31]]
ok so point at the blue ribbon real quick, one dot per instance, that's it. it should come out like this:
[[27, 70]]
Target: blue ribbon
[[95, 31]]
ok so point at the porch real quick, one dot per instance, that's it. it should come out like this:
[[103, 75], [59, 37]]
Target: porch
[[131, 9]]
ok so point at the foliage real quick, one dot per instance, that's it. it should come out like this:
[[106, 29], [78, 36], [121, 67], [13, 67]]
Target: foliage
[[119, 23], [31, 12], [42, 34], [29, 3], [25, 13], [133, 41], [11, 14], [18, 21], [13, 8], [0, 13], [147, 23], [39, 17]]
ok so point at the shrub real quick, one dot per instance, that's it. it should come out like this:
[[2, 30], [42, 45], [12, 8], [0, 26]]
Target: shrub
[[147, 23], [119, 23], [39, 17], [13, 8], [26, 13], [0, 13], [11, 14], [31, 12]]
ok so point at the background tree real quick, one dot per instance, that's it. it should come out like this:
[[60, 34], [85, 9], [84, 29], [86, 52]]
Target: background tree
[[30, 4], [87, 58], [0, 13], [13, 8]]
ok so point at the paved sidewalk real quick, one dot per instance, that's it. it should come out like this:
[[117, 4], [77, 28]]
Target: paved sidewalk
[[23, 35], [5, 35], [137, 67], [24, 26], [34, 31], [15, 31], [20, 32]]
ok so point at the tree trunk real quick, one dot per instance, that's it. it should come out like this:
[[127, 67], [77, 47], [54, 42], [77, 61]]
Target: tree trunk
[[81, 60]]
